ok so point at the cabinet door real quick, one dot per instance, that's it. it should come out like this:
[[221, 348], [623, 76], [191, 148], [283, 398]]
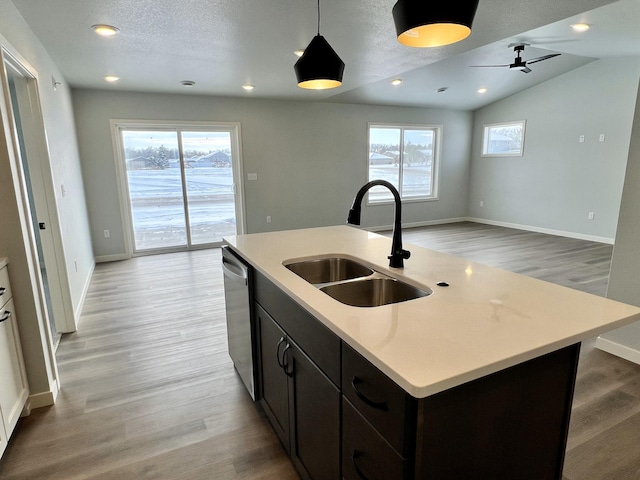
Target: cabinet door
[[273, 379], [315, 419], [13, 386]]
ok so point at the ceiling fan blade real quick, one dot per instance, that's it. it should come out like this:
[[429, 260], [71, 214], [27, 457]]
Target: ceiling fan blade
[[525, 70], [545, 57], [488, 65]]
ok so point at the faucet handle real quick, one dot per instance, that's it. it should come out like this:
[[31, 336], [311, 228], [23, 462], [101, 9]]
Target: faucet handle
[[396, 259]]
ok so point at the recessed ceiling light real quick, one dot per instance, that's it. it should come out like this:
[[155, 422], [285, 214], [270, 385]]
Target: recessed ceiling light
[[248, 87], [105, 30], [111, 78], [396, 82], [580, 27], [298, 52], [442, 89], [187, 83], [482, 90]]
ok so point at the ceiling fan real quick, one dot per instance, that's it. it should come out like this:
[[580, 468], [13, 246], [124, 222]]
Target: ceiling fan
[[518, 63]]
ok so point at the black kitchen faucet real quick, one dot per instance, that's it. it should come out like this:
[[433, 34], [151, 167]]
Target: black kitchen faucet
[[396, 259]]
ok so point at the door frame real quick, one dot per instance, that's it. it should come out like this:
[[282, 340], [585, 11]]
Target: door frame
[[121, 175], [36, 333], [41, 178]]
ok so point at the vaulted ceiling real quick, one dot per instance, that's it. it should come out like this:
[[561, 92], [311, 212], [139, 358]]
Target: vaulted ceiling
[[223, 44]]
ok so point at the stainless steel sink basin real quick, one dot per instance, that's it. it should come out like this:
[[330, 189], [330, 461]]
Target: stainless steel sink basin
[[374, 292], [353, 283], [327, 270]]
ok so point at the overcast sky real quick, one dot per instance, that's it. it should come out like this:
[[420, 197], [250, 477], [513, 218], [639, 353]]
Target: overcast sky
[[204, 141]]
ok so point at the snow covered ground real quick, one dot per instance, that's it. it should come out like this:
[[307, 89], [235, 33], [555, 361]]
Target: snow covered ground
[[158, 209]]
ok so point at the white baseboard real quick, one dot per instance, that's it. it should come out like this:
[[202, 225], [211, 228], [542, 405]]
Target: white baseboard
[[443, 221], [83, 296], [112, 258], [549, 231], [44, 399], [618, 350]]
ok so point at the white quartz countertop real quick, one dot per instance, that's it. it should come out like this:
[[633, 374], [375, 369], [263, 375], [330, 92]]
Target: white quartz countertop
[[486, 320]]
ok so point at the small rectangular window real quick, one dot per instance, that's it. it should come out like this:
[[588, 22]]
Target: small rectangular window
[[503, 139], [406, 157]]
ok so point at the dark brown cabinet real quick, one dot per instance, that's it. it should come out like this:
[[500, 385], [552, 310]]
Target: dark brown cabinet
[[389, 409], [274, 384], [365, 453], [314, 404], [300, 400], [338, 416], [510, 424]]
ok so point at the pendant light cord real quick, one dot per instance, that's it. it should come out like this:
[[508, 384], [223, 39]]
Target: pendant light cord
[[318, 17]]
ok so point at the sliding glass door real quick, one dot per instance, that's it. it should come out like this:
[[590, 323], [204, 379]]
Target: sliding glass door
[[181, 185], [209, 186]]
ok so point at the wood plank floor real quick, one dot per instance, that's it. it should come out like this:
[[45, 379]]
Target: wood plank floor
[[149, 392]]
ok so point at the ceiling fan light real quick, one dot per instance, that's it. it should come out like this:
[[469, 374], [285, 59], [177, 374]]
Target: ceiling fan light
[[319, 67], [428, 24]]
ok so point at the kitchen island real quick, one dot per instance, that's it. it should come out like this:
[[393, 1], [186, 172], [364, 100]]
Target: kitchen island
[[472, 381]]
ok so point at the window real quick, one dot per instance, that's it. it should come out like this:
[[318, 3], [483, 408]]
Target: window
[[503, 139], [412, 169]]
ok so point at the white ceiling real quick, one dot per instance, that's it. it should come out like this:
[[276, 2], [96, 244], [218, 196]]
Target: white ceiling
[[222, 44]]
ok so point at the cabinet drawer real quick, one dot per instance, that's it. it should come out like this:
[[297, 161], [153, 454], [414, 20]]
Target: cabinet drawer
[[5, 289], [390, 409], [365, 454], [316, 340]]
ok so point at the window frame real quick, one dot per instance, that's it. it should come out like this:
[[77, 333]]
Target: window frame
[[435, 166], [485, 135]]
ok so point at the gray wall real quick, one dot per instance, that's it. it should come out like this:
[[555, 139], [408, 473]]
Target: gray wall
[[624, 280], [310, 158], [559, 180], [65, 170]]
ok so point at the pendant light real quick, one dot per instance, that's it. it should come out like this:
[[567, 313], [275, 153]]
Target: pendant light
[[319, 67], [433, 24]]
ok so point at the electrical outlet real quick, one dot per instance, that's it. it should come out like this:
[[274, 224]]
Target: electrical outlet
[[107, 234], [601, 138], [268, 218], [252, 176], [590, 216], [581, 138], [481, 203]]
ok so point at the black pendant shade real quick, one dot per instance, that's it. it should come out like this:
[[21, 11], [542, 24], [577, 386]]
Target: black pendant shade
[[319, 67], [432, 24]]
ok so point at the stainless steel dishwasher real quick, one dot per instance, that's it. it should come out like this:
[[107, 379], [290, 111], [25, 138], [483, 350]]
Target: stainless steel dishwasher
[[237, 295]]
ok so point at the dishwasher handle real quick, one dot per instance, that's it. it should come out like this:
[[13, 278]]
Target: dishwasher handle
[[228, 272]]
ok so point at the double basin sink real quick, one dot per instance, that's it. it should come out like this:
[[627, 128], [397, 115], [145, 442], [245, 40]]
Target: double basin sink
[[353, 283]]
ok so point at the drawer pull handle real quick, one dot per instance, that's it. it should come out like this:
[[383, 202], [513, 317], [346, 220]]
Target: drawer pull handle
[[5, 316], [285, 363], [354, 458], [2, 290], [280, 363], [372, 403]]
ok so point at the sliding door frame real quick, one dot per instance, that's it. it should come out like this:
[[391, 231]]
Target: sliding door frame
[[117, 125]]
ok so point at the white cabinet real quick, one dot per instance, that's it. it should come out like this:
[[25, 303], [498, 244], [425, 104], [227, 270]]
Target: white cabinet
[[13, 382]]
